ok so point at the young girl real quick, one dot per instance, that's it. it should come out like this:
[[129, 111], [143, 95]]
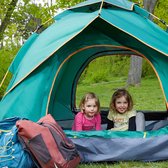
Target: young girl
[[121, 116], [89, 117]]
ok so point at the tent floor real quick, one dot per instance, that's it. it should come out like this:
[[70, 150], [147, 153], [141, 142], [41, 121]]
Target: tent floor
[[153, 119]]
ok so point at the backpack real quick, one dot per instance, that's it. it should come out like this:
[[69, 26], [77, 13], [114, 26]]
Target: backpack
[[47, 143]]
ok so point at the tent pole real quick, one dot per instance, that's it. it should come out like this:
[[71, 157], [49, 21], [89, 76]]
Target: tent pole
[[47, 21], [4, 78], [101, 7], [162, 21], [39, 27]]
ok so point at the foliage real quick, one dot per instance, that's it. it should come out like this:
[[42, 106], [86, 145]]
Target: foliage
[[6, 14], [161, 12], [147, 70], [103, 68], [4, 64], [66, 3], [26, 17]]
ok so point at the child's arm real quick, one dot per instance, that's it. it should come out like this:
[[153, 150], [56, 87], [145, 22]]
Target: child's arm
[[78, 122], [110, 124], [132, 124], [98, 122]]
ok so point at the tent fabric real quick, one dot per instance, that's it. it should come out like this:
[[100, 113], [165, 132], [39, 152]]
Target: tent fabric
[[119, 149], [120, 4], [47, 68], [14, 65], [116, 134], [46, 44], [107, 145]]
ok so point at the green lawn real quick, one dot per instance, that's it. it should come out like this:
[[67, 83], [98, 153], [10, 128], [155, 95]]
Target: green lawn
[[163, 164], [147, 96]]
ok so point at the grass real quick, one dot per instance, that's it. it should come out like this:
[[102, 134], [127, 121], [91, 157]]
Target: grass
[[147, 96], [130, 164]]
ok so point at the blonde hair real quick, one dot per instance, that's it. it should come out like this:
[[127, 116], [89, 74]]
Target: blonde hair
[[89, 95], [119, 93]]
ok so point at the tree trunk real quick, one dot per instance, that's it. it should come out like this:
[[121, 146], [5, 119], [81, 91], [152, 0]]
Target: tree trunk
[[149, 5], [134, 75], [135, 71], [6, 20]]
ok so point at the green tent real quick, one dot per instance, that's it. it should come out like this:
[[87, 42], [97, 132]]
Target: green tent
[[47, 68]]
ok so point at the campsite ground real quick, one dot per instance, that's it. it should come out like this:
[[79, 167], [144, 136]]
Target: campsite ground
[[130, 164], [147, 96]]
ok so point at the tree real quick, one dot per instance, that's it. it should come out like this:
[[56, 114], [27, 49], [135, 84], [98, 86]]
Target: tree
[[5, 21], [135, 71], [149, 5], [19, 18]]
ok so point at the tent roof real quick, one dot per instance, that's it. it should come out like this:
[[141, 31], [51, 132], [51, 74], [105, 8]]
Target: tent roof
[[45, 44], [118, 3]]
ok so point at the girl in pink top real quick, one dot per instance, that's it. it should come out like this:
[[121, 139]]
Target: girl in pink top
[[89, 117]]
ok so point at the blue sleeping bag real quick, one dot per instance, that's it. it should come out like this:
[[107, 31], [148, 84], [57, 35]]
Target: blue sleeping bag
[[11, 152]]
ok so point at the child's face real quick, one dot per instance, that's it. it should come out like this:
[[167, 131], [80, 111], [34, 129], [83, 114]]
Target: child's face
[[121, 105], [90, 108]]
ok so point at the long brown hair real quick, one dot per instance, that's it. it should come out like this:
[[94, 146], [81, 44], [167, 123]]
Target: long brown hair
[[119, 93]]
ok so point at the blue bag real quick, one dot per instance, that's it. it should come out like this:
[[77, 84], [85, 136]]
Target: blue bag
[[12, 154]]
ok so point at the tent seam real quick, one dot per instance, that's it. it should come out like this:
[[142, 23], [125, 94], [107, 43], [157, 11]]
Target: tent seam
[[135, 37]]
